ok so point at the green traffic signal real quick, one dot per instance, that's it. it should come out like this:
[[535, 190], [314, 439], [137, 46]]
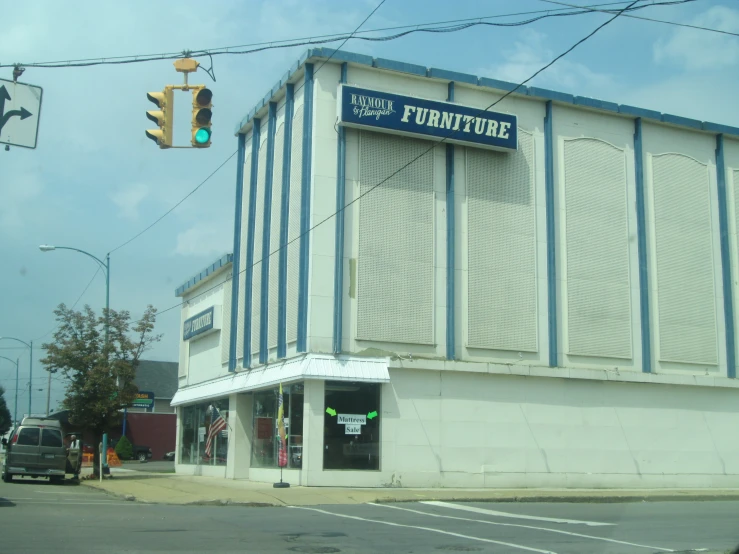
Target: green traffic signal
[[202, 136]]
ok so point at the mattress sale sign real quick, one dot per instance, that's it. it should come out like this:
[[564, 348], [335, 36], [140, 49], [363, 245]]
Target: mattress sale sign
[[418, 117]]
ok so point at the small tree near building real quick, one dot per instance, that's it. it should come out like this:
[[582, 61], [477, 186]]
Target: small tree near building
[[100, 374], [124, 449], [6, 422]]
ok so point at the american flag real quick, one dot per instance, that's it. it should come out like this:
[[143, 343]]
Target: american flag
[[216, 426], [282, 453]]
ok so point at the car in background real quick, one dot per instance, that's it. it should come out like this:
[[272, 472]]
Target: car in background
[[140, 452]]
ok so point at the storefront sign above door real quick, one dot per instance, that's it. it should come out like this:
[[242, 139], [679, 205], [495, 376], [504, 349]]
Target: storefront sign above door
[[201, 323], [418, 117]]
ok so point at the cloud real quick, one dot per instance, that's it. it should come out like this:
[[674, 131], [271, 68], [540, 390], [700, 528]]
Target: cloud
[[129, 198], [204, 240], [530, 53], [694, 49], [16, 195]]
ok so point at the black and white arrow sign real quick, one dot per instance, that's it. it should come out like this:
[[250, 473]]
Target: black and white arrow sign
[[20, 106]]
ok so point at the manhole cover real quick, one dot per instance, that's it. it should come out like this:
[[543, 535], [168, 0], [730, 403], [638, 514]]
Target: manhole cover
[[314, 549], [459, 548]]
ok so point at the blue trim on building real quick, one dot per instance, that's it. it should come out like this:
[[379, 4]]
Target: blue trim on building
[[403, 67], [597, 104], [339, 244], [269, 171], [639, 112], [718, 128], [436, 73], [641, 235], [285, 214], [551, 235], [213, 268], [502, 85], [723, 218], [682, 121], [450, 242], [305, 208], [235, 257], [548, 95], [251, 223]]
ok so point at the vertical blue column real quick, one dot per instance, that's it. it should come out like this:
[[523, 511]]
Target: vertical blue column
[[264, 300], [236, 252], [641, 234], [339, 246], [285, 214], [450, 238], [723, 218], [249, 268], [305, 208], [551, 235]]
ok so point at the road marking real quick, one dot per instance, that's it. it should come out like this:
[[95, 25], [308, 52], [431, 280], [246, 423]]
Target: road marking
[[470, 537], [507, 514], [100, 503], [546, 529], [67, 493]]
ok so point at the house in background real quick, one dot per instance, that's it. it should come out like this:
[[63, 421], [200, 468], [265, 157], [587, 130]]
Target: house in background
[[158, 381]]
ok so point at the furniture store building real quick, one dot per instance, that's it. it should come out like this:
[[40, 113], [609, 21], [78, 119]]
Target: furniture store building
[[460, 283]]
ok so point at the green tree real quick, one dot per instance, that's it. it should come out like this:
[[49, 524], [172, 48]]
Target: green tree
[[124, 449], [6, 421], [100, 374]]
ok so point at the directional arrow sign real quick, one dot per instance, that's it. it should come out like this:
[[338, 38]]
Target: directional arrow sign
[[372, 415], [20, 107], [331, 411]]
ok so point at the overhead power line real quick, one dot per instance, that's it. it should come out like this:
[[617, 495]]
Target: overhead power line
[[425, 152], [165, 214], [450, 26], [687, 25]]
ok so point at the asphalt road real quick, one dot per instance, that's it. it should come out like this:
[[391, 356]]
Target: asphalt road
[[38, 517]]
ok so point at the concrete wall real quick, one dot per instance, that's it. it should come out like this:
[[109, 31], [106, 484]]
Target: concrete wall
[[200, 357], [459, 429]]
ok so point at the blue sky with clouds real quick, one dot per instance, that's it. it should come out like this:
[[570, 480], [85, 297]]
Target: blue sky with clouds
[[95, 180]]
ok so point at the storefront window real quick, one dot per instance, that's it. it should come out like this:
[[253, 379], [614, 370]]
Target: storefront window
[[351, 427], [265, 443], [204, 439]]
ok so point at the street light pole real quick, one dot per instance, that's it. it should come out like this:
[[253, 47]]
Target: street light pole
[[15, 406], [106, 267], [30, 368]]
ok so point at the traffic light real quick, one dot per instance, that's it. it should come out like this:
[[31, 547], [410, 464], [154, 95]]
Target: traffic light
[[163, 116], [201, 114]]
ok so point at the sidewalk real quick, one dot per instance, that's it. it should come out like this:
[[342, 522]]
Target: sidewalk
[[185, 489]]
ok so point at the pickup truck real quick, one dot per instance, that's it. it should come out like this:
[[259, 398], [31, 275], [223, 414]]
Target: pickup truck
[[140, 453]]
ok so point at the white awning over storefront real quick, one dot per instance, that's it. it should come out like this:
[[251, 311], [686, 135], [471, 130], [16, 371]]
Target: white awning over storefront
[[309, 366]]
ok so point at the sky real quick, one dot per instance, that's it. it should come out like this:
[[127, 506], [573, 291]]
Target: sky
[[95, 181]]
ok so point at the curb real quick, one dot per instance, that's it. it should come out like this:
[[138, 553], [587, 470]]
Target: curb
[[616, 499]]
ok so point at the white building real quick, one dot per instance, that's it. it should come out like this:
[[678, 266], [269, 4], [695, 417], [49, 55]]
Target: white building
[[543, 300]]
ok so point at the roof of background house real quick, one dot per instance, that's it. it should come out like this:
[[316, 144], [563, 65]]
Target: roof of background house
[[157, 377]]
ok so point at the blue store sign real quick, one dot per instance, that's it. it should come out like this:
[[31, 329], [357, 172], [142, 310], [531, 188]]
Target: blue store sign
[[198, 324], [406, 115]]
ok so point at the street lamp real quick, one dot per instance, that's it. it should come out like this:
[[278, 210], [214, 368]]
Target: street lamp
[[30, 369], [103, 264], [15, 408]]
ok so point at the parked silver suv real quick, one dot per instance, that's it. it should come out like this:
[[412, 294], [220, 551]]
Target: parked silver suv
[[36, 449]]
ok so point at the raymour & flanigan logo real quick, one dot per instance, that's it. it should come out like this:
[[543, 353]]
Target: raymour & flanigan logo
[[371, 106]]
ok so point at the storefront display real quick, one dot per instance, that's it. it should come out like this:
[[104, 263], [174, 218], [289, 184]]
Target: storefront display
[[265, 438], [199, 423]]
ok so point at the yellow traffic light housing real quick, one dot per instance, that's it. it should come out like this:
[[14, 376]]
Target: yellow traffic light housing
[[201, 116], [163, 117]]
